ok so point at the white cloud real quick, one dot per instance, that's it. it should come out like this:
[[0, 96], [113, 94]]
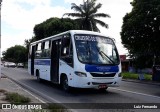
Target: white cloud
[[18, 18], [73, 1], [16, 15], [117, 10], [30, 2], [13, 40]]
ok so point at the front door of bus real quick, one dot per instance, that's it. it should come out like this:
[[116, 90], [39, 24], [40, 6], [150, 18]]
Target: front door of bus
[[55, 52], [32, 59]]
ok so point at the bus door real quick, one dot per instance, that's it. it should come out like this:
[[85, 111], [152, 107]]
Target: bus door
[[32, 59], [55, 52]]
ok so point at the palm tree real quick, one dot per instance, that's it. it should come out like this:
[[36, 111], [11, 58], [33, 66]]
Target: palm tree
[[86, 14]]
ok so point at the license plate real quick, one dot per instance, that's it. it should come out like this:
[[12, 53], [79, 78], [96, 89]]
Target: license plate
[[102, 86]]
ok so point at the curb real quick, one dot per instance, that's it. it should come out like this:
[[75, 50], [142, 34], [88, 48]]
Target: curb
[[49, 99], [141, 81], [34, 91]]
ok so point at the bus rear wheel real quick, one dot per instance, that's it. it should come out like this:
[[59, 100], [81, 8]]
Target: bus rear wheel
[[65, 84]]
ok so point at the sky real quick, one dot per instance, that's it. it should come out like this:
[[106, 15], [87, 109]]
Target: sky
[[18, 18]]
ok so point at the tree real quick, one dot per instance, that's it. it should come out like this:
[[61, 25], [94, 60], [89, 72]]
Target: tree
[[16, 54], [141, 30], [27, 43], [86, 14], [54, 26], [51, 26]]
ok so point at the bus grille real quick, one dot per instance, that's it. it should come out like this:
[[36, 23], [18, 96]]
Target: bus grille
[[103, 75]]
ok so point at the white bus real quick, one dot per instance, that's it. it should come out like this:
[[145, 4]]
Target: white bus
[[76, 58]]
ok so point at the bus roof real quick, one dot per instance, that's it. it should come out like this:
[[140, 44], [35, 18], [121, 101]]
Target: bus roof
[[72, 33]]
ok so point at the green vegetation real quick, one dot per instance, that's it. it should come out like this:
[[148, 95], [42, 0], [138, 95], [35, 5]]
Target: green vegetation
[[53, 108], [87, 13], [16, 54], [17, 98], [51, 26], [56, 106], [127, 75], [140, 32], [148, 77]]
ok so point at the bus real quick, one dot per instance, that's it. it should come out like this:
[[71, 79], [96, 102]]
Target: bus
[[76, 58]]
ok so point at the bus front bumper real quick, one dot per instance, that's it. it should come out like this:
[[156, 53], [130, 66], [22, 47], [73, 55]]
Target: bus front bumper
[[95, 82]]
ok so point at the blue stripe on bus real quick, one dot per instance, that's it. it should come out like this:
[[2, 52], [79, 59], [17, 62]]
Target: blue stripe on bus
[[97, 68], [42, 62]]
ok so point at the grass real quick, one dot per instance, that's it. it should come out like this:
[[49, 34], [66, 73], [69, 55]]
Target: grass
[[56, 106], [148, 77], [127, 75], [17, 98], [53, 108]]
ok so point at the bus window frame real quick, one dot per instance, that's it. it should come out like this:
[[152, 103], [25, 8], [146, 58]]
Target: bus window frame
[[68, 55]]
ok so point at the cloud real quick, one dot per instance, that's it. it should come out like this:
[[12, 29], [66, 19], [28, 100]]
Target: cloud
[[73, 1], [117, 9], [17, 39], [18, 18], [22, 15]]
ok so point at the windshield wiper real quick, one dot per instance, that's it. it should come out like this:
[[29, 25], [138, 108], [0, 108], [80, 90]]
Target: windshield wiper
[[108, 57], [103, 54]]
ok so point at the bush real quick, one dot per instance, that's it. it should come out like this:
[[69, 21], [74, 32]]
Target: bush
[[16, 98], [127, 75]]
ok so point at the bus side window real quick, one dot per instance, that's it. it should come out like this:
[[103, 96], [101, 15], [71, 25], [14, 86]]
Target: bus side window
[[45, 50], [65, 46], [39, 46], [67, 50], [38, 51]]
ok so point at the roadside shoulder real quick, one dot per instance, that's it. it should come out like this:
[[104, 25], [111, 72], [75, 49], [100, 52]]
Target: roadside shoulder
[[10, 86], [142, 81]]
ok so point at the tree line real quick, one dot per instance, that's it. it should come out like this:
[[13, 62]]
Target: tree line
[[140, 32], [86, 19]]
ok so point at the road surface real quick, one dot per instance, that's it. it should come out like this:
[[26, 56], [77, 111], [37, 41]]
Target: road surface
[[128, 92]]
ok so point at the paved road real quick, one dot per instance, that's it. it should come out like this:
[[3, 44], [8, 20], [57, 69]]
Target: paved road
[[129, 92]]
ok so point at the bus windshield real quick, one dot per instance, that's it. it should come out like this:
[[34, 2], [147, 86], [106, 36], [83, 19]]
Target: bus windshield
[[93, 49]]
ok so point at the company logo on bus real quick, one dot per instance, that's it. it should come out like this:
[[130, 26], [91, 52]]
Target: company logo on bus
[[103, 68], [96, 68]]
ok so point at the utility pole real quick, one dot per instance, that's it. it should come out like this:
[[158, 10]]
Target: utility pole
[[0, 38]]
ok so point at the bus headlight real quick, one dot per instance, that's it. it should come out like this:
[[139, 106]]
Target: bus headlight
[[81, 74]]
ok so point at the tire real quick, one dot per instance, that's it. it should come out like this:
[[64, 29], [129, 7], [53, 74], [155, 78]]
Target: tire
[[38, 77], [65, 85]]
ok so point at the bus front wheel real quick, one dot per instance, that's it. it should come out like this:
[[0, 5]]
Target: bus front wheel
[[38, 77], [65, 83]]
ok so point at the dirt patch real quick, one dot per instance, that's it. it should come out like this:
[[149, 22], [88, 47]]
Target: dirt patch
[[3, 96]]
